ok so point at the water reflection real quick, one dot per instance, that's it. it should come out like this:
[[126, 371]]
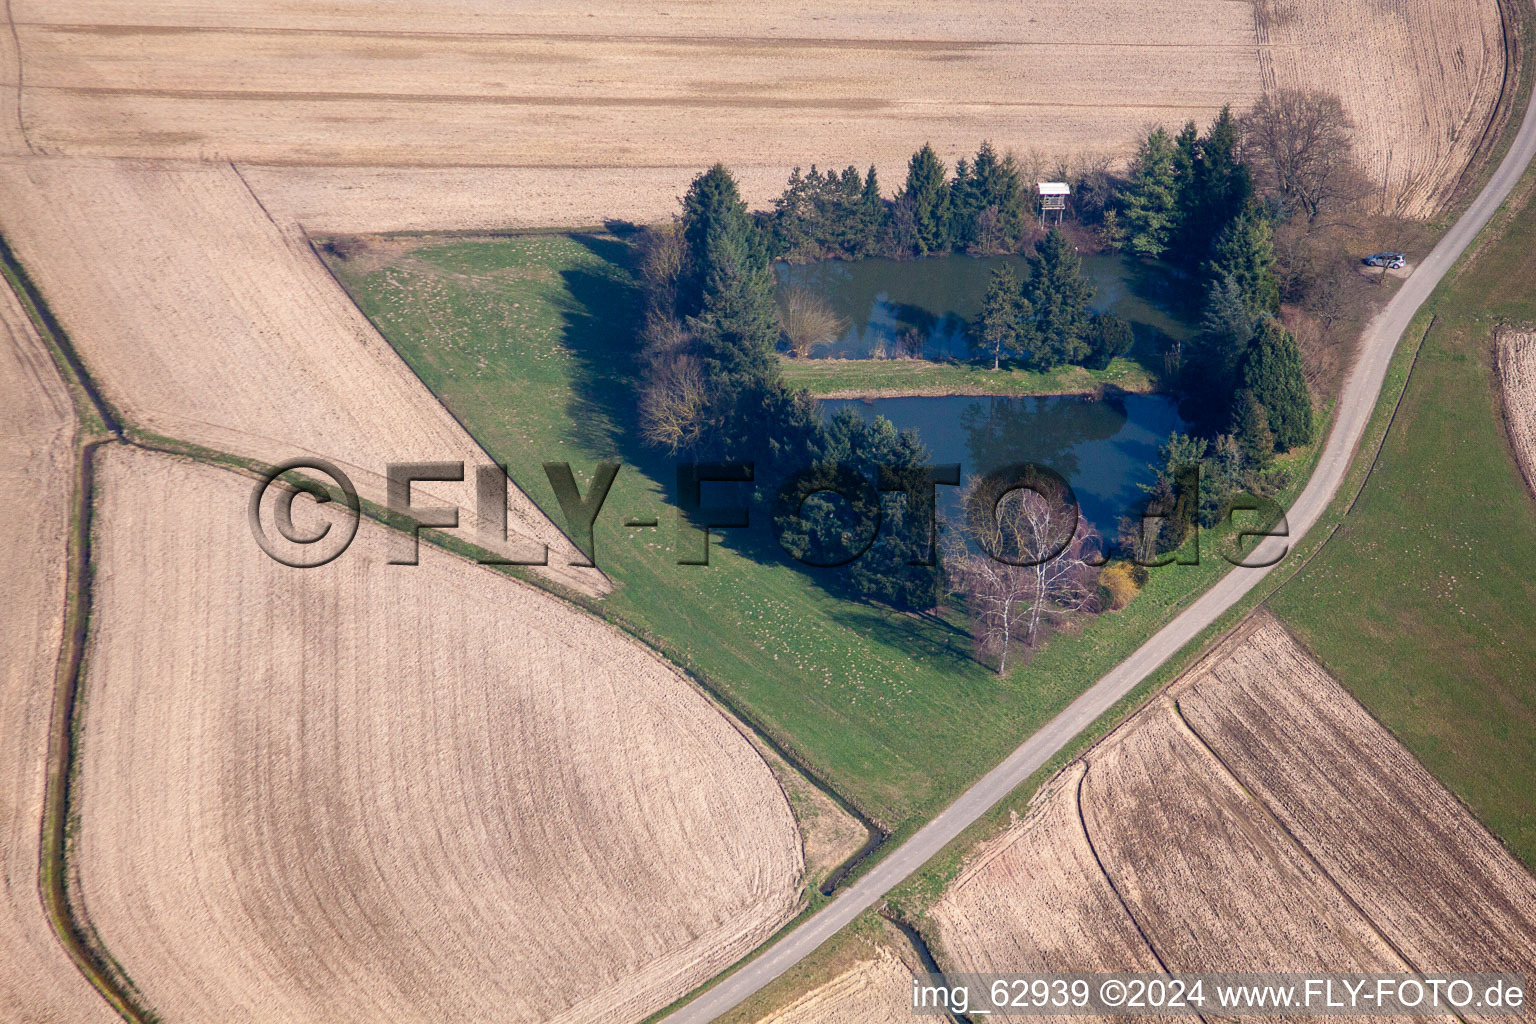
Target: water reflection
[[1103, 447], [883, 301]]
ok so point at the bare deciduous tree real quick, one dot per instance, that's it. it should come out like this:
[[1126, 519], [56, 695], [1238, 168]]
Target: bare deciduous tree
[[809, 321], [662, 256], [1009, 602], [1301, 146], [673, 398]]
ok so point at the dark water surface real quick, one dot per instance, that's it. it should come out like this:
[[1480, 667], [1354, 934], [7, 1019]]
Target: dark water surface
[[1103, 447], [881, 300]]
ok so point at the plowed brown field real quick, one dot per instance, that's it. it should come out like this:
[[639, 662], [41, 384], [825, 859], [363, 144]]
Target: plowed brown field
[[203, 321], [369, 792], [1215, 884], [1035, 900], [1420, 78], [673, 84], [1397, 843], [37, 428], [1517, 378], [1264, 823]]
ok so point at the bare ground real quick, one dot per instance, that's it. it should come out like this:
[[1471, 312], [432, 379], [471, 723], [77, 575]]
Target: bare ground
[[1215, 884], [1036, 901], [371, 115], [1420, 78], [873, 991], [1397, 843], [294, 806]]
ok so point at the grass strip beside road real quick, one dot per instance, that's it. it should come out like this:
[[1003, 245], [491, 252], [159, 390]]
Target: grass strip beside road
[[1424, 603]]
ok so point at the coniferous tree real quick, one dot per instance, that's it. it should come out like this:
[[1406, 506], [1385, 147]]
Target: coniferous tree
[[1245, 252], [1250, 426], [792, 214], [1057, 294], [720, 240], [1273, 372], [872, 215], [964, 204], [844, 230], [1149, 202], [1185, 151], [991, 216], [726, 300], [1220, 188], [1215, 356], [1110, 336], [1001, 312], [1011, 199], [927, 195]]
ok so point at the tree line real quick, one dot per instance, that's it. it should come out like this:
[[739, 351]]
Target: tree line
[[711, 389], [1211, 203]]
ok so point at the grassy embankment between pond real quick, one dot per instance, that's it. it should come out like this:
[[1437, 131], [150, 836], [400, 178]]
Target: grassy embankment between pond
[[528, 342], [892, 378]]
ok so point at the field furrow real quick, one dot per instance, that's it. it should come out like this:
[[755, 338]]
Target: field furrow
[[675, 84], [38, 982], [294, 807], [1035, 901], [1215, 884]]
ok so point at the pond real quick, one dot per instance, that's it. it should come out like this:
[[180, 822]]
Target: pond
[[1103, 447], [884, 302]]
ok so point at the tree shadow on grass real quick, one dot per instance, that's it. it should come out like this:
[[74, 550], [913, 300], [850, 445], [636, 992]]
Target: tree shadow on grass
[[917, 636], [600, 328]]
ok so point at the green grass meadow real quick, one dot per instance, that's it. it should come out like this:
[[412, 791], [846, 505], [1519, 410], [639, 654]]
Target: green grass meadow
[[527, 340]]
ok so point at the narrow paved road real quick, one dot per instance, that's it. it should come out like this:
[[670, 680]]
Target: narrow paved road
[[1355, 406]]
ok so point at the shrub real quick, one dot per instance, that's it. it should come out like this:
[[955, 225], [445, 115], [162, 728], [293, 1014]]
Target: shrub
[[1117, 586], [809, 321]]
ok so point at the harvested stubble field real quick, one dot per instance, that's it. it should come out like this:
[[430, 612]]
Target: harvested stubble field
[[676, 84], [1402, 848], [1037, 901], [38, 982], [203, 321], [873, 991], [1517, 377], [1420, 78], [1263, 822], [292, 807], [1214, 883], [374, 115]]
